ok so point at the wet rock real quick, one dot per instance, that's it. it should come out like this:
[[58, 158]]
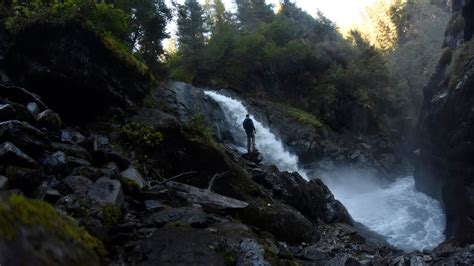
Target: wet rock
[[132, 174], [180, 216], [10, 154], [52, 196], [122, 162], [100, 142], [313, 199], [111, 168], [71, 136], [55, 162], [50, 120], [21, 113], [282, 221], [7, 112], [47, 186], [251, 253], [73, 151], [188, 247], [24, 178], [205, 197], [90, 172], [313, 253], [356, 154], [417, 261], [24, 136], [73, 162], [33, 108], [77, 184], [106, 190], [20, 95], [152, 205], [3, 182], [254, 157]]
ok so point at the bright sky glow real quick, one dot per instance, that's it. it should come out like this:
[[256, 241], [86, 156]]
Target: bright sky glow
[[345, 13]]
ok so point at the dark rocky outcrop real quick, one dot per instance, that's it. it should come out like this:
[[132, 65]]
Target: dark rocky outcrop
[[66, 67], [444, 166]]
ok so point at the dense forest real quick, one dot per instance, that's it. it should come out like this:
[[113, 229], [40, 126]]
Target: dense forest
[[287, 54]]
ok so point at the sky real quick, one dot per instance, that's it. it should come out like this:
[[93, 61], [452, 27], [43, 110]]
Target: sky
[[345, 13]]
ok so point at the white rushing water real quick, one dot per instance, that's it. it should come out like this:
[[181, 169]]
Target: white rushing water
[[408, 219], [266, 142]]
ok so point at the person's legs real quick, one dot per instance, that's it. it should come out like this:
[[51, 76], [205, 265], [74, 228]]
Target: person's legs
[[249, 143], [253, 143]]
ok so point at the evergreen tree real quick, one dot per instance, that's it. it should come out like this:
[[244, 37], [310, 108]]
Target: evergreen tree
[[250, 13], [148, 27], [191, 35]]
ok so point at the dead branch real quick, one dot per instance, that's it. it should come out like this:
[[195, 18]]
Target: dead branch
[[177, 176], [216, 177]]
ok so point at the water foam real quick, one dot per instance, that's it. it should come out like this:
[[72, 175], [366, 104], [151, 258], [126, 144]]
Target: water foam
[[408, 219], [266, 141]]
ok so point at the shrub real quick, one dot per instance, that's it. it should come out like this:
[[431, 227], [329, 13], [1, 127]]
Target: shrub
[[142, 134], [110, 215], [198, 126]]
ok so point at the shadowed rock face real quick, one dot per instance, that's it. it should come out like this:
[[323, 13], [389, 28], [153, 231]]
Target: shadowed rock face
[[445, 168], [73, 70]]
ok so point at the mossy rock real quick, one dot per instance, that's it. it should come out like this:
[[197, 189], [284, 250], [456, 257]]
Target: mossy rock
[[33, 233], [446, 57], [24, 178], [459, 65]]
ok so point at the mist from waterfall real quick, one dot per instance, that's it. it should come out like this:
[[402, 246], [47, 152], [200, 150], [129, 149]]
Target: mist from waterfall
[[408, 219]]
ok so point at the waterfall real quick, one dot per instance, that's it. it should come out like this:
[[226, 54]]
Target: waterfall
[[266, 142], [408, 219]]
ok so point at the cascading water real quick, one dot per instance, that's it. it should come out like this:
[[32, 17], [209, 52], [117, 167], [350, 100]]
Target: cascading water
[[408, 219], [266, 141]]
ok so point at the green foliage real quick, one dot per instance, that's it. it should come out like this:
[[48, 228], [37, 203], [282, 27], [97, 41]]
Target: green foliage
[[301, 116], [130, 186], [229, 259], [123, 25], [123, 52], [143, 135], [19, 211], [459, 63], [198, 126], [446, 57], [110, 215]]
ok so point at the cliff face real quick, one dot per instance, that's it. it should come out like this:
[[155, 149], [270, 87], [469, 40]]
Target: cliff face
[[445, 165]]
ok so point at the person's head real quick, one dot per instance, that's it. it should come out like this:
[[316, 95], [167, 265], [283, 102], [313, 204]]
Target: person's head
[[248, 116]]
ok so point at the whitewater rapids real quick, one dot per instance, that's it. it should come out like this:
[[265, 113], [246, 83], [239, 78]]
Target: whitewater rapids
[[408, 219]]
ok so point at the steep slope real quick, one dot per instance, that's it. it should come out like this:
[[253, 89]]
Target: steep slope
[[445, 162]]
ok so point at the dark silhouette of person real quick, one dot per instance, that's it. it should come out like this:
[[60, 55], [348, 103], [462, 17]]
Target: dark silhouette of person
[[250, 131]]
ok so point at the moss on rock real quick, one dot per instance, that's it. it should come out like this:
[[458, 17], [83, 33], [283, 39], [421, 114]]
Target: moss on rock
[[45, 228]]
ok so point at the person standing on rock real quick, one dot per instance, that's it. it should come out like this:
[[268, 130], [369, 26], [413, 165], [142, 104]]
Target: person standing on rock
[[250, 131]]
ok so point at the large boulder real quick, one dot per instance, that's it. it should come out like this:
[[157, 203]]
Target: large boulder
[[10, 154], [77, 72], [182, 246], [24, 136], [33, 233], [444, 167], [313, 199], [106, 191]]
